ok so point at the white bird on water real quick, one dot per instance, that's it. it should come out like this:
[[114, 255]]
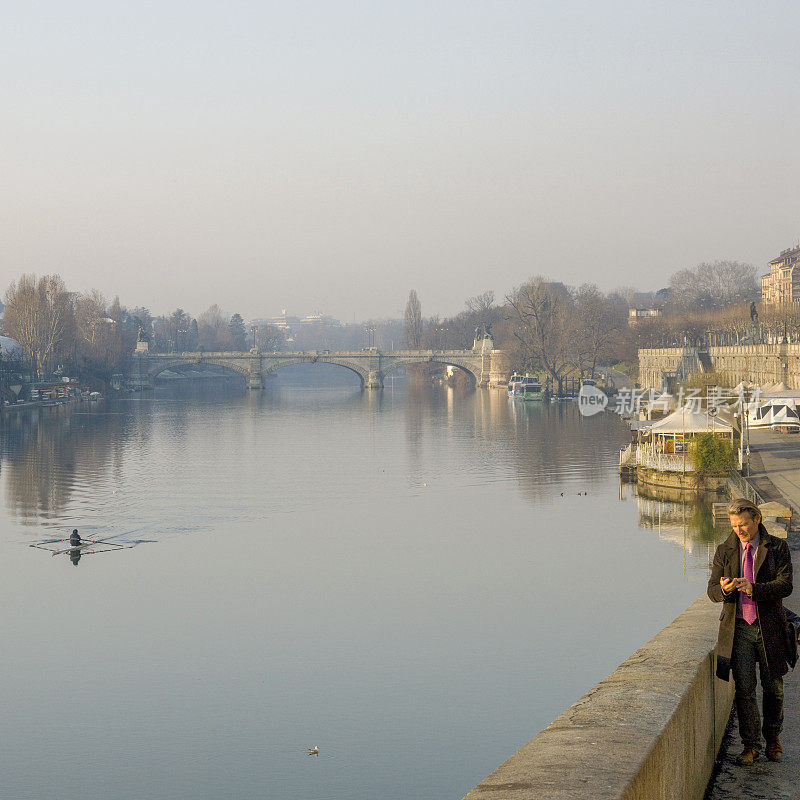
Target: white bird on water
[[313, 751]]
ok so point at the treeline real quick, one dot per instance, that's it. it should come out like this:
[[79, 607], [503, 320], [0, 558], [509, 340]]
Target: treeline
[[724, 327], [63, 332], [561, 331], [83, 334], [546, 326]]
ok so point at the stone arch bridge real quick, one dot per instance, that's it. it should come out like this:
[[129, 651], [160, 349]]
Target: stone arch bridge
[[488, 367]]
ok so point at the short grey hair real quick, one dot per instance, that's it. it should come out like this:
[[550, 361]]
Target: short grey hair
[[742, 504]]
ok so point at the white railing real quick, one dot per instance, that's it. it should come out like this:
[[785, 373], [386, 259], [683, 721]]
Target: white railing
[[626, 454], [666, 462]]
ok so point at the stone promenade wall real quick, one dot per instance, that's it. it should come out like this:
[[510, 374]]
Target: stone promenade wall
[[759, 363], [649, 731]]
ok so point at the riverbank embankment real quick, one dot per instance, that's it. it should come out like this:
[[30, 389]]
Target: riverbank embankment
[[650, 730]]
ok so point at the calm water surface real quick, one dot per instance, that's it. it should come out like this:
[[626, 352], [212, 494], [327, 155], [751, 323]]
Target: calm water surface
[[408, 579]]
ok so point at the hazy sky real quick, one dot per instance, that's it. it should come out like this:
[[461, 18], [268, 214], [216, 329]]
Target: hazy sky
[[333, 155]]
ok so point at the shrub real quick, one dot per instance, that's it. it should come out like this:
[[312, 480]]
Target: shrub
[[711, 453]]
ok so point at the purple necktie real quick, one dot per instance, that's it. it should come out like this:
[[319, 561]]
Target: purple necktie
[[748, 605]]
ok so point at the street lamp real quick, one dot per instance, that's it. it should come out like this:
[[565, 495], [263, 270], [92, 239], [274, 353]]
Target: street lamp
[[254, 331]]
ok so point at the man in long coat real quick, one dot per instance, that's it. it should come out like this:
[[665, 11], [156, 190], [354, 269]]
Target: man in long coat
[[752, 573]]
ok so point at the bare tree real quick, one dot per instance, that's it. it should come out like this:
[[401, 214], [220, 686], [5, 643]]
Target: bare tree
[[780, 323], [213, 330], [714, 286], [628, 294], [542, 316], [413, 322], [598, 320], [434, 334], [482, 304], [37, 312], [269, 337], [90, 316], [101, 341]]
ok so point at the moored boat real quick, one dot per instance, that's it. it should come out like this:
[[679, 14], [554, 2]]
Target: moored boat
[[525, 387], [531, 388], [513, 384]]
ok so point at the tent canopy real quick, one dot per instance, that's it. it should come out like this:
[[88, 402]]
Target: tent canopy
[[687, 420], [780, 391]]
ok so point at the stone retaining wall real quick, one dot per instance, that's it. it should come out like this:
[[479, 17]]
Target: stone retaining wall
[[677, 480], [759, 363], [649, 731]]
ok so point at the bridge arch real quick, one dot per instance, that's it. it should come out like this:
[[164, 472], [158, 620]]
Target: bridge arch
[[177, 364], [445, 362], [275, 366]]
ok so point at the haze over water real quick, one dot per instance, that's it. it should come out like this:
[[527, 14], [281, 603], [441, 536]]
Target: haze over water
[[393, 576]]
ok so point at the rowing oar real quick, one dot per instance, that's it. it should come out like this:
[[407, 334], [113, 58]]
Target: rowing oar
[[95, 541], [68, 538], [84, 543], [74, 548], [49, 541]]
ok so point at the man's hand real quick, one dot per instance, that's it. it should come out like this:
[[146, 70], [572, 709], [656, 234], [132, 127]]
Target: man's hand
[[727, 584], [744, 585]]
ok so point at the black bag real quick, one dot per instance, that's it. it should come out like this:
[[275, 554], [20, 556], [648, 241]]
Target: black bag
[[792, 636]]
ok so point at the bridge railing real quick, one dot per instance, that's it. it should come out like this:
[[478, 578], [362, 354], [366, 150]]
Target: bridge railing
[[366, 352]]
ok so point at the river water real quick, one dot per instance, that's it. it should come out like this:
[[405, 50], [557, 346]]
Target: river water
[[415, 580]]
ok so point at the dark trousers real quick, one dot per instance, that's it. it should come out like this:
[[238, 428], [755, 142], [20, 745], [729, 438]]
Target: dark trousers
[[748, 650]]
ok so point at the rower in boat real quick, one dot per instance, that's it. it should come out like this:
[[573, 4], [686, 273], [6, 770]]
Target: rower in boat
[[75, 541], [77, 546]]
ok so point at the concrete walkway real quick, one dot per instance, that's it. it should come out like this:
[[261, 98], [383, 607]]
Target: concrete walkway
[[775, 471]]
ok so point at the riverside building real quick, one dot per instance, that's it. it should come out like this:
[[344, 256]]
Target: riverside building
[[782, 283]]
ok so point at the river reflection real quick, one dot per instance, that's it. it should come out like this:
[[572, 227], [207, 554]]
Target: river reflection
[[416, 580], [54, 457], [50, 455], [684, 519]]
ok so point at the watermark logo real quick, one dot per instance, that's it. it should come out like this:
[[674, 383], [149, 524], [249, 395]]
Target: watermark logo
[[591, 400], [633, 402]]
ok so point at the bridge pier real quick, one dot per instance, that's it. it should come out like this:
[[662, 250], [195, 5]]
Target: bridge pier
[[255, 377], [139, 378], [483, 380], [374, 380], [499, 369]]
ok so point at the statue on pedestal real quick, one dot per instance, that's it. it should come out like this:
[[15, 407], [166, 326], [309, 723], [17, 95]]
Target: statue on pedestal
[[483, 339], [142, 345]]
